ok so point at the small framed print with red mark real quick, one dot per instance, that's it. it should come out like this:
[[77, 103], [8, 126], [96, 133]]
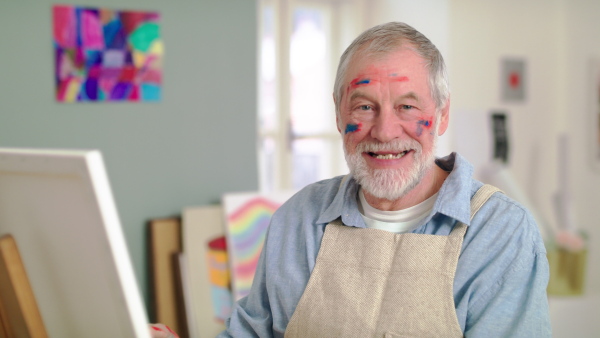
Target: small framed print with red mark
[[512, 80]]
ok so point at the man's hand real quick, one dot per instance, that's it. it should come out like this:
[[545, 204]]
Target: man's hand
[[162, 331]]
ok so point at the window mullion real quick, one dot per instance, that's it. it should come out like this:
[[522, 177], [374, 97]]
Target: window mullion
[[284, 153]]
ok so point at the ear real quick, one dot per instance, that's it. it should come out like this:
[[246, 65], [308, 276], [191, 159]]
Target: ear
[[444, 118]]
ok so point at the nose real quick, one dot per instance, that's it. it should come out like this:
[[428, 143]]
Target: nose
[[387, 126]]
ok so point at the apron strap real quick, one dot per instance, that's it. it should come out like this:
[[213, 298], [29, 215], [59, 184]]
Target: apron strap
[[481, 196], [477, 201]]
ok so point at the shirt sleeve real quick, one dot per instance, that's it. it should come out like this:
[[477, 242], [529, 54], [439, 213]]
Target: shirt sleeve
[[515, 305], [251, 315]]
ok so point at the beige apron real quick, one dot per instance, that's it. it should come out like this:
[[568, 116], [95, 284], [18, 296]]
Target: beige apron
[[374, 283]]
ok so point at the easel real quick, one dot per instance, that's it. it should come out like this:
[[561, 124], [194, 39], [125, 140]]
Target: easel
[[19, 313]]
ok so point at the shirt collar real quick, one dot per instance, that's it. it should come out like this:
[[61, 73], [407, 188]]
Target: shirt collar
[[453, 197], [344, 205]]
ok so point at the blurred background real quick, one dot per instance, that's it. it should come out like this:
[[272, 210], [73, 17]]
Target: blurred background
[[246, 106]]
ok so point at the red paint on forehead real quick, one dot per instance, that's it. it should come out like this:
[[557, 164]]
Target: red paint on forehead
[[397, 78], [358, 82], [370, 75], [361, 81]]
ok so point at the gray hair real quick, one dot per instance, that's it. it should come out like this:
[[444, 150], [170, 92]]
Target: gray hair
[[388, 37]]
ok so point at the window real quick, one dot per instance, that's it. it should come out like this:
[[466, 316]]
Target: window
[[299, 47]]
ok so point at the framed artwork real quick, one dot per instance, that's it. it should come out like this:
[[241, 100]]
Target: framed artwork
[[513, 80], [106, 55]]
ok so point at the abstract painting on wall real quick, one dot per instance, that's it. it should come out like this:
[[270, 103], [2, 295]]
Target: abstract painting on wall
[[107, 55], [247, 217], [513, 83]]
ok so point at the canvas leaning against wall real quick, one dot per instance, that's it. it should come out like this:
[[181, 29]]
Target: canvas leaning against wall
[[247, 217], [106, 55]]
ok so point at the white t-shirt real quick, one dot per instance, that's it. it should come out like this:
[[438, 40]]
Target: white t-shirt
[[399, 221]]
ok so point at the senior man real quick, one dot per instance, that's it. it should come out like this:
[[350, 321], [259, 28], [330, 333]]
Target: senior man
[[406, 244]]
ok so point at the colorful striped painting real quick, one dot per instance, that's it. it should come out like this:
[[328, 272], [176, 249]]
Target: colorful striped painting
[[106, 55], [218, 271], [247, 220]]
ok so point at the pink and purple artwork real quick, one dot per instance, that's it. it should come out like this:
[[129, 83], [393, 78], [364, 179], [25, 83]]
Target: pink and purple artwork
[[106, 55]]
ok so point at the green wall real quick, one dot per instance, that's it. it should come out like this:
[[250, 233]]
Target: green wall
[[197, 143]]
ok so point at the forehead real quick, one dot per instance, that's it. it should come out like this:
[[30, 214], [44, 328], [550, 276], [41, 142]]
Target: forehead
[[403, 61]]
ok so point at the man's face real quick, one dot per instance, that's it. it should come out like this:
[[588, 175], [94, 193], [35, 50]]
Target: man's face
[[389, 123]]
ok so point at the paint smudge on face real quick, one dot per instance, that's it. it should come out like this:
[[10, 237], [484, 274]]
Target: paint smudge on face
[[359, 82], [350, 127], [423, 124], [397, 78]]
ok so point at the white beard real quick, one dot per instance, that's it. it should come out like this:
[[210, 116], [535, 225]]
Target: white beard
[[390, 184]]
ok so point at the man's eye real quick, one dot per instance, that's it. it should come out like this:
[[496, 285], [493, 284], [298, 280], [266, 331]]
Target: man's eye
[[406, 107], [365, 107]]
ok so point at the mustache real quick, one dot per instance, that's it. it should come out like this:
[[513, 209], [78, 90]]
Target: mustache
[[395, 146]]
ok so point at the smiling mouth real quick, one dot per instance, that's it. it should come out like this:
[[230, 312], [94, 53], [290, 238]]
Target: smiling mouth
[[389, 156]]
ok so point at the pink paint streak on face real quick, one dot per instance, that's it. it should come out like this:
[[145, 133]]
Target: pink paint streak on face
[[365, 80], [396, 78], [358, 82]]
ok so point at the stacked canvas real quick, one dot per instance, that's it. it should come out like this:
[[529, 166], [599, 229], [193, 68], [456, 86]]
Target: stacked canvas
[[222, 245]]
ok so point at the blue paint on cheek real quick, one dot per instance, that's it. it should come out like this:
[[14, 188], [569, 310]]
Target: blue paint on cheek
[[421, 124], [350, 128], [419, 130], [365, 81]]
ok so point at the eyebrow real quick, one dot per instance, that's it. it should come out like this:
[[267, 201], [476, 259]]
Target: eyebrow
[[358, 94], [410, 95]]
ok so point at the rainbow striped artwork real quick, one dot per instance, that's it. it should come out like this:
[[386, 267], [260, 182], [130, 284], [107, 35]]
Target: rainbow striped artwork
[[247, 219], [218, 272], [106, 55]]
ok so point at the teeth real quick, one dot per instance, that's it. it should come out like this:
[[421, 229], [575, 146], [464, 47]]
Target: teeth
[[389, 156]]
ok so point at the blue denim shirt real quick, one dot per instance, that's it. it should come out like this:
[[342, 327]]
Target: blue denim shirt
[[501, 276]]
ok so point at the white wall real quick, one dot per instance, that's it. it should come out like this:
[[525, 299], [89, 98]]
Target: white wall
[[582, 28], [482, 33], [556, 38], [581, 44]]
